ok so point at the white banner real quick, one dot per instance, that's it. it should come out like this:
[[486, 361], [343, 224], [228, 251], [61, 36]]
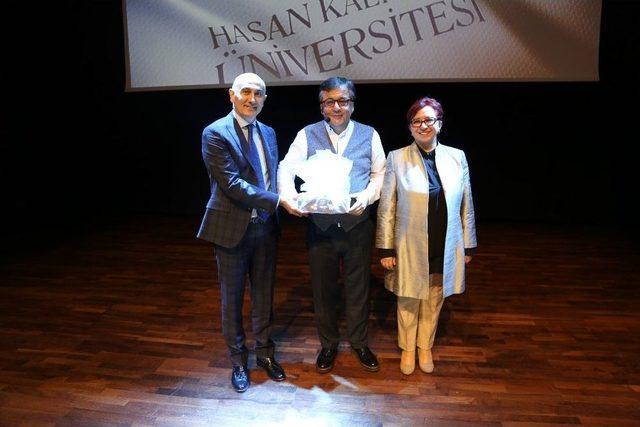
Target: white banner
[[206, 43]]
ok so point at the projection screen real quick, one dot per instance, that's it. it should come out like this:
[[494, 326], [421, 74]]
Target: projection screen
[[173, 44]]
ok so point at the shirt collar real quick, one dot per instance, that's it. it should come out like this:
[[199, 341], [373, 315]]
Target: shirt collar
[[429, 155], [346, 131], [242, 122]]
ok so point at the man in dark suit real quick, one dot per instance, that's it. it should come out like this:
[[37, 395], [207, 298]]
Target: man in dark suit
[[241, 156]]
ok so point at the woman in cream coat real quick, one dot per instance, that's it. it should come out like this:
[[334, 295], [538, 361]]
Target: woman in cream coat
[[426, 230]]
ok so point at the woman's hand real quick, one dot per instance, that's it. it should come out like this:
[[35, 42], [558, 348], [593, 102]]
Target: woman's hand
[[388, 262], [467, 259]]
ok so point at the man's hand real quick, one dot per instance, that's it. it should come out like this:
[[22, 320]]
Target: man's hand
[[358, 206], [388, 262], [290, 206], [467, 259]]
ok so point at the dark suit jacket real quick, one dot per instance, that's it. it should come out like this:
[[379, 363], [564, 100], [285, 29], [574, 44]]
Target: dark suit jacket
[[234, 182]]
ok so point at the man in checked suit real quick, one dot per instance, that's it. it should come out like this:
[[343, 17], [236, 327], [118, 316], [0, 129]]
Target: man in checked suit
[[241, 156]]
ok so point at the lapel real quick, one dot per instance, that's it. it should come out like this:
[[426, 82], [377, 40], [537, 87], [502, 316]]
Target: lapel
[[270, 155], [445, 166], [237, 138], [231, 133], [416, 172]]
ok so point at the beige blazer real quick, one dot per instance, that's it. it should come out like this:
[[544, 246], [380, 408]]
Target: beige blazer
[[402, 220]]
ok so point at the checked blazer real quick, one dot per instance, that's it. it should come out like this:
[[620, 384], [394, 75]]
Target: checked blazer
[[234, 182]]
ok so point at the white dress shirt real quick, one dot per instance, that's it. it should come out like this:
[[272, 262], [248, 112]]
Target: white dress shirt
[[298, 152]]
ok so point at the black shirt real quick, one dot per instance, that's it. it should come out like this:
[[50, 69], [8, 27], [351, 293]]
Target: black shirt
[[437, 214]]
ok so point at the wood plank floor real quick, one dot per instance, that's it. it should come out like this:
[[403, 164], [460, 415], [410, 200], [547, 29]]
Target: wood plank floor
[[120, 325]]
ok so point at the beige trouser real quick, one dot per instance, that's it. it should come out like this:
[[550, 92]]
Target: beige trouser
[[418, 318]]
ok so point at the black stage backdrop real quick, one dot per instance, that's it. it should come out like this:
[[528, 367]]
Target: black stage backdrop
[[75, 146]]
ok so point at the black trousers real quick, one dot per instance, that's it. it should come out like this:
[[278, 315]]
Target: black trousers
[[254, 257], [326, 251]]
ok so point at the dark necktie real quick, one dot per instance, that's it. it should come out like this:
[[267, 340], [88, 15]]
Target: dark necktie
[[255, 159]]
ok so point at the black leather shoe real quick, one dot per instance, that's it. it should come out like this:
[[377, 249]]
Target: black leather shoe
[[272, 368], [367, 359], [240, 378], [325, 360]]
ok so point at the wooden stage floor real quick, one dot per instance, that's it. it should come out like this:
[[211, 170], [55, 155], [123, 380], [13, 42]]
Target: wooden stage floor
[[120, 325]]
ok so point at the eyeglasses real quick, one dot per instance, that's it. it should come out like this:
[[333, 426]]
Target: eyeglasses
[[429, 121], [329, 103]]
